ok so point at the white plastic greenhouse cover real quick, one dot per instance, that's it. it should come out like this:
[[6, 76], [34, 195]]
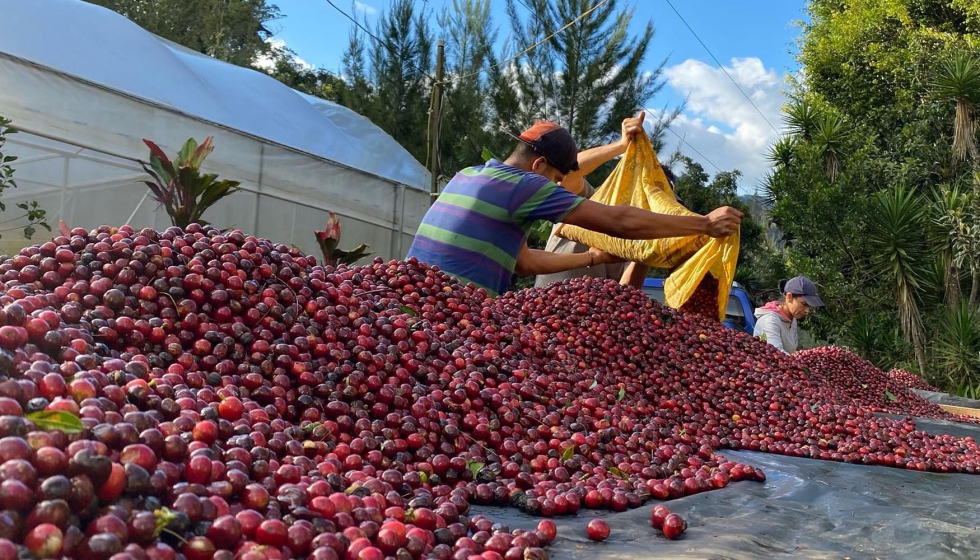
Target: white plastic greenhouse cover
[[86, 85]]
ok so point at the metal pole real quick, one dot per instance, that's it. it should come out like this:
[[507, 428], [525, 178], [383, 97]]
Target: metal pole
[[435, 122]]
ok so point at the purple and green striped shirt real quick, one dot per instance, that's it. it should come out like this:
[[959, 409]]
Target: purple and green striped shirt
[[479, 224]]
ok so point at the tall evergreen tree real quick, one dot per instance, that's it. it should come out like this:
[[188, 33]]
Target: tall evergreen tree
[[401, 66], [231, 30], [586, 77], [359, 94], [469, 34]]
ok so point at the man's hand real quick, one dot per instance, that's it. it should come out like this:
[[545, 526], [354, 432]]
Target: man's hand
[[601, 257], [631, 127], [723, 221]]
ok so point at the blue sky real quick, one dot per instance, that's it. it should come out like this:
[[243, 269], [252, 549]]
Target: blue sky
[[753, 39]]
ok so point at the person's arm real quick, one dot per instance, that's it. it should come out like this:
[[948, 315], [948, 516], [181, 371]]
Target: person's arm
[[591, 159], [769, 325], [634, 275], [628, 222], [533, 262]]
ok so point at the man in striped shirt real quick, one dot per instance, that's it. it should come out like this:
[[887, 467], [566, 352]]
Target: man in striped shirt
[[477, 229]]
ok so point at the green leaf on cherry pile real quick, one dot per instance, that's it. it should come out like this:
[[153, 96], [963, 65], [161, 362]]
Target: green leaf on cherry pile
[[568, 453], [162, 517], [594, 383], [890, 396], [57, 420], [616, 472], [474, 467], [308, 429], [622, 393], [408, 310]]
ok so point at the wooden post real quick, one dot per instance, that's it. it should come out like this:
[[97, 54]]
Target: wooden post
[[435, 122]]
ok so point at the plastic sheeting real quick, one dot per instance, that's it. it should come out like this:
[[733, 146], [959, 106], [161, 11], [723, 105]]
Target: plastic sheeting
[[87, 85], [944, 398], [805, 509]]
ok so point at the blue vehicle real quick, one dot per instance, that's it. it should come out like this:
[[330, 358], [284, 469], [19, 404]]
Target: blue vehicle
[[738, 315]]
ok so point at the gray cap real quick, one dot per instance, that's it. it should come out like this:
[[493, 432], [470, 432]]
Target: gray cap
[[803, 287]]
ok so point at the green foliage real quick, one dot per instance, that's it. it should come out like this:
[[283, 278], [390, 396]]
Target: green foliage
[[311, 81], [958, 80], [957, 348], [231, 30], [875, 337], [399, 75], [873, 190], [588, 77], [34, 214], [180, 187]]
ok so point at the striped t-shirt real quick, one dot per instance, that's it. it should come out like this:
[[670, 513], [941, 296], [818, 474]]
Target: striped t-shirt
[[479, 224]]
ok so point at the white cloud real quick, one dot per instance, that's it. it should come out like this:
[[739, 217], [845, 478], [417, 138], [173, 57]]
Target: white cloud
[[365, 8], [720, 123], [266, 61]]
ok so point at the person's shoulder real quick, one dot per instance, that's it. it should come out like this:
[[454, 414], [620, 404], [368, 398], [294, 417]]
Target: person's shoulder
[[768, 318]]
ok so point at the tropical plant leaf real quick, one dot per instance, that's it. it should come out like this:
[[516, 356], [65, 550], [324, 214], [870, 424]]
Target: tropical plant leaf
[[215, 191], [622, 393], [161, 160], [890, 396], [202, 152], [616, 472], [184, 156], [353, 255]]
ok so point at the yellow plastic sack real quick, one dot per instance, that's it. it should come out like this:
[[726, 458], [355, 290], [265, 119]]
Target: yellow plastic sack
[[639, 181]]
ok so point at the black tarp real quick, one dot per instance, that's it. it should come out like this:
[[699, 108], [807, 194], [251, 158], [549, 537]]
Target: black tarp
[[943, 398], [805, 509]]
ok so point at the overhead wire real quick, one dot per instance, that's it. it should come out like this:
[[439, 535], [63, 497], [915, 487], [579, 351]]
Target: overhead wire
[[541, 42], [681, 138], [449, 98], [720, 65], [392, 50]]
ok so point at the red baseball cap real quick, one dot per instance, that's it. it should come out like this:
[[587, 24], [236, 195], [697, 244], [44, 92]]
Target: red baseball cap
[[554, 143]]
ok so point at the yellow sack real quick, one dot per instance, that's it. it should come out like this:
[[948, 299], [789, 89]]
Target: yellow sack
[[639, 181]]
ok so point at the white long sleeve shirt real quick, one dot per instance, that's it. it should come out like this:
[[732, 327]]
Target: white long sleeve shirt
[[775, 328]]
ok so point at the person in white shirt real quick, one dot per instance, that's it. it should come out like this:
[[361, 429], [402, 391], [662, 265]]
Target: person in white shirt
[[776, 321]]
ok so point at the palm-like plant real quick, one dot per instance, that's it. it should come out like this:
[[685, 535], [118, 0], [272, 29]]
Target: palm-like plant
[[801, 118], [863, 336], [180, 187], [829, 137], [895, 240], [783, 152], [958, 80], [958, 346], [948, 218]]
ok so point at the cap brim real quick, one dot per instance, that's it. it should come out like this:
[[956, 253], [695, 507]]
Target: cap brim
[[813, 301], [538, 151]]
